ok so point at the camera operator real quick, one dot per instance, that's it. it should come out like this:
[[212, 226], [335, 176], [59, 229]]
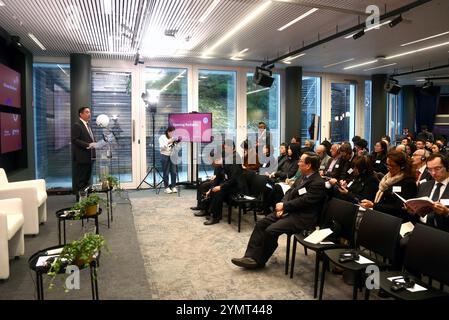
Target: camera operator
[[167, 145]]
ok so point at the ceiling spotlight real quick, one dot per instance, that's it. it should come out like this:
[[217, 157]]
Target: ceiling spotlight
[[395, 21], [16, 40], [359, 34]]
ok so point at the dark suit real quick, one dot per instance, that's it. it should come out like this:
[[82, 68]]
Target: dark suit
[[440, 222], [302, 212], [81, 156], [391, 204], [233, 183], [425, 176], [336, 170]]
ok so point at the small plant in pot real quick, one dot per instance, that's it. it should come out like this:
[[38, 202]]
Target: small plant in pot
[[109, 182], [87, 206], [78, 252]]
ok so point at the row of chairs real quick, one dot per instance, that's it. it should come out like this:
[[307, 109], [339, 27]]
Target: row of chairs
[[427, 252]]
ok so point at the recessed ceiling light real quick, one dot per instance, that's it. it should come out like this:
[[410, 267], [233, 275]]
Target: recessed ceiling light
[[298, 19], [289, 59], [237, 56], [424, 39], [107, 6], [2, 4], [379, 67], [209, 11], [337, 63], [33, 37], [370, 28], [361, 64], [421, 80], [417, 50], [250, 17]]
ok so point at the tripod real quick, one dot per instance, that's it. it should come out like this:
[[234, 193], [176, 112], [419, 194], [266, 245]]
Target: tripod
[[153, 169]]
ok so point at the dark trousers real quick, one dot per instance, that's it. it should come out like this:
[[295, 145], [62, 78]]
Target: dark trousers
[[216, 203], [168, 168], [202, 189], [82, 175], [264, 239]]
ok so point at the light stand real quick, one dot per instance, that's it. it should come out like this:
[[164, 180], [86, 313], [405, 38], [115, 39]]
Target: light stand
[[153, 168]]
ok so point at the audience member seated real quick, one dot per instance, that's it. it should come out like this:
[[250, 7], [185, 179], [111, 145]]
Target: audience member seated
[[298, 211], [202, 201], [419, 159], [287, 168], [361, 148], [420, 144], [399, 179], [334, 165], [309, 145], [437, 190], [424, 135], [379, 157], [233, 183], [268, 161], [324, 158], [364, 185]]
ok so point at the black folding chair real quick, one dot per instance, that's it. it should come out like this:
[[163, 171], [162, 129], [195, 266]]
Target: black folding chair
[[427, 254], [340, 216], [379, 233]]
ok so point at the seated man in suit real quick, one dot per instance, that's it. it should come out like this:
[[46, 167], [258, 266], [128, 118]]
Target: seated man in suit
[[233, 183], [299, 210], [419, 158], [437, 190]]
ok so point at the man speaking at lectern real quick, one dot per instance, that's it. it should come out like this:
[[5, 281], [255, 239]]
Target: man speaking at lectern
[[83, 151]]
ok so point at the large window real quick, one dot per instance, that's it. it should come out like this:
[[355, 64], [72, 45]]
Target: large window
[[310, 106], [394, 117], [264, 104], [51, 89], [168, 88], [111, 96], [342, 112], [367, 112], [217, 94]]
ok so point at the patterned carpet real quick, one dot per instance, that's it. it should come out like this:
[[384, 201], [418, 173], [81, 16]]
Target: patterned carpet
[[186, 260]]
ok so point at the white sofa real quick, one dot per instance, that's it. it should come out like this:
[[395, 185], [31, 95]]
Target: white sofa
[[34, 196], [12, 242]]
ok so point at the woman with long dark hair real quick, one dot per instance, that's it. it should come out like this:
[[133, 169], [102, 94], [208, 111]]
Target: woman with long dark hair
[[379, 157], [167, 147]]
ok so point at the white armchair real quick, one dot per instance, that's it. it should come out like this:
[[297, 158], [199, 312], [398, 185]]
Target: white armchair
[[12, 242], [34, 196]]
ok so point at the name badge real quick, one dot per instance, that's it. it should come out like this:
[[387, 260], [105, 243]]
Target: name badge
[[445, 202], [302, 191], [337, 166], [264, 165], [226, 176], [378, 161], [422, 181], [397, 188], [350, 184], [350, 170]]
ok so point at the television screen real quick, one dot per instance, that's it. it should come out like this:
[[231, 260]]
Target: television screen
[[192, 127], [9, 87], [11, 132]]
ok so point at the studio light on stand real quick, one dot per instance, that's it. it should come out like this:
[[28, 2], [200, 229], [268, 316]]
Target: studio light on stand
[[151, 99]]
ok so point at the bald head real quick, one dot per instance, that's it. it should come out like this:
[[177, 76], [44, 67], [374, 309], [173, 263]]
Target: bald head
[[321, 151]]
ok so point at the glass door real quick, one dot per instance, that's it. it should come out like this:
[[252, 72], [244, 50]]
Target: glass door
[[342, 121], [112, 121]]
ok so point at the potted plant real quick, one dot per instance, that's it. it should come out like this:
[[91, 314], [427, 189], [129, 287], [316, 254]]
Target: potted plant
[[87, 206], [109, 182], [78, 252]]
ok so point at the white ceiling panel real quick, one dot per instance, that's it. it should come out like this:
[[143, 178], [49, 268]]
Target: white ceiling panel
[[170, 30]]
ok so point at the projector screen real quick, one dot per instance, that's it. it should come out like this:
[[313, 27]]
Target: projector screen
[[9, 87], [192, 127], [11, 132]]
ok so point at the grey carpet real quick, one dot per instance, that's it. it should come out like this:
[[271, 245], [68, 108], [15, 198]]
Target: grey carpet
[[186, 260], [121, 274]]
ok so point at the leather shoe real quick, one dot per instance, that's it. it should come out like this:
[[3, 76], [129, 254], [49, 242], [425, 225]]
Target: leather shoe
[[211, 221], [195, 208], [200, 214], [245, 262]]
